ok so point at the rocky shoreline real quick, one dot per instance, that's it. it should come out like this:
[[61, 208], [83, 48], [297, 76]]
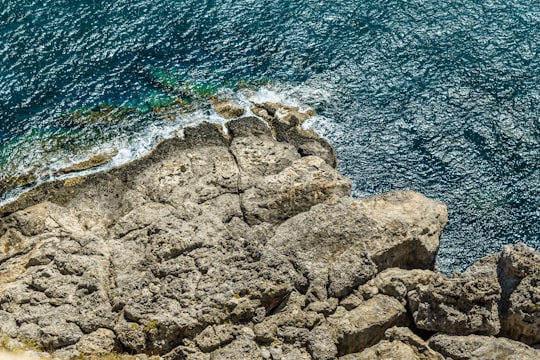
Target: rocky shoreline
[[246, 244]]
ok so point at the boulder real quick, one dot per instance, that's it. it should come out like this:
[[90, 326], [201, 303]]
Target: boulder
[[243, 345], [395, 282], [399, 229], [216, 336], [516, 268], [321, 344], [481, 347], [228, 108], [519, 275], [366, 324], [400, 343], [457, 306]]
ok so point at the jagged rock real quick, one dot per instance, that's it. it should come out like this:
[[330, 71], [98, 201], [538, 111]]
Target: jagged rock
[[519, 276], [387, 350], [94, 161], [395, 282], [321, 344], [215, 336], [517, 270], [366, 324], [8, 325], [325, 307], [286, 124], [481, 347], [59, 334], [316, 148], [351, 268], [457, 306], [169, 254], [275, 182], [291, 316], [486, 267], [242, 346], [228, 108], [385, 227], [400, 343], [98, 342]]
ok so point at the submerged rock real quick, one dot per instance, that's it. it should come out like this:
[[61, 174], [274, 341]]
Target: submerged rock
[[94, 161]]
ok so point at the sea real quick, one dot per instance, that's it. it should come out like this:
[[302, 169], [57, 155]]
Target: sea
[[440, 97]]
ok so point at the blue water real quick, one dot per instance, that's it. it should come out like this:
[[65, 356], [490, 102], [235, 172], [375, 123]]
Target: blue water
[[435, 96]]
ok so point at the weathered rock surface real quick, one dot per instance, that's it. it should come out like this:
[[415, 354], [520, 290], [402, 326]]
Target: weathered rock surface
[[94, 161], [517, 269], [244, 245], [400, 343], [457, 306], [228, 108], [365, 325], [481, 347], [519, 275]]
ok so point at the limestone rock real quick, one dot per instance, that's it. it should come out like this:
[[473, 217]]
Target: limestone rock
[[60, 334], [351, 269], [243, 347], [286, 125], [400, 343], [292, 316], [517, 270], [215, 336], [387, 350], [457, 306], [399, 229], [98, 342], [94, 161], [365, 325], [228, 108], [519, 275], [321, 344], [213, 245], [275, 182], [481, 347], [396, 282]]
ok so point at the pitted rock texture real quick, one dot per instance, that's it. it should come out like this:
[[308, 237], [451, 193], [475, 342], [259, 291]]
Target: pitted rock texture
[[238, 245], [457, 306], [517, 269], [475, 347], [206, 231]]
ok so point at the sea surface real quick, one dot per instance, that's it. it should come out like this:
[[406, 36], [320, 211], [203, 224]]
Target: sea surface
[[441, 97]]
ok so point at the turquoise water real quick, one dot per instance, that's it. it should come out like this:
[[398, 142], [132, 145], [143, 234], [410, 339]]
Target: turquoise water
[[439, 97]]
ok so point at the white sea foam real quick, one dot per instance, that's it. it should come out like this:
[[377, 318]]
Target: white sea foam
[[129, 147]]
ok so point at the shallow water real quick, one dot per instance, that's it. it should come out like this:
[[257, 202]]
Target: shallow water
[[438, 97]]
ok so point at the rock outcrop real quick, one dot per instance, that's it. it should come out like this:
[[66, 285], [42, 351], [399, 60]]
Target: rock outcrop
[[247, 244]]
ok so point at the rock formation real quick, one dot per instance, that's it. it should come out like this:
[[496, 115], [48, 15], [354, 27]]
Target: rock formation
[[246, 244]]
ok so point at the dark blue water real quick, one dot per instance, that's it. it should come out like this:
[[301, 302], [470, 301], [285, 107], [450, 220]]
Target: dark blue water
[[435, 96]]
